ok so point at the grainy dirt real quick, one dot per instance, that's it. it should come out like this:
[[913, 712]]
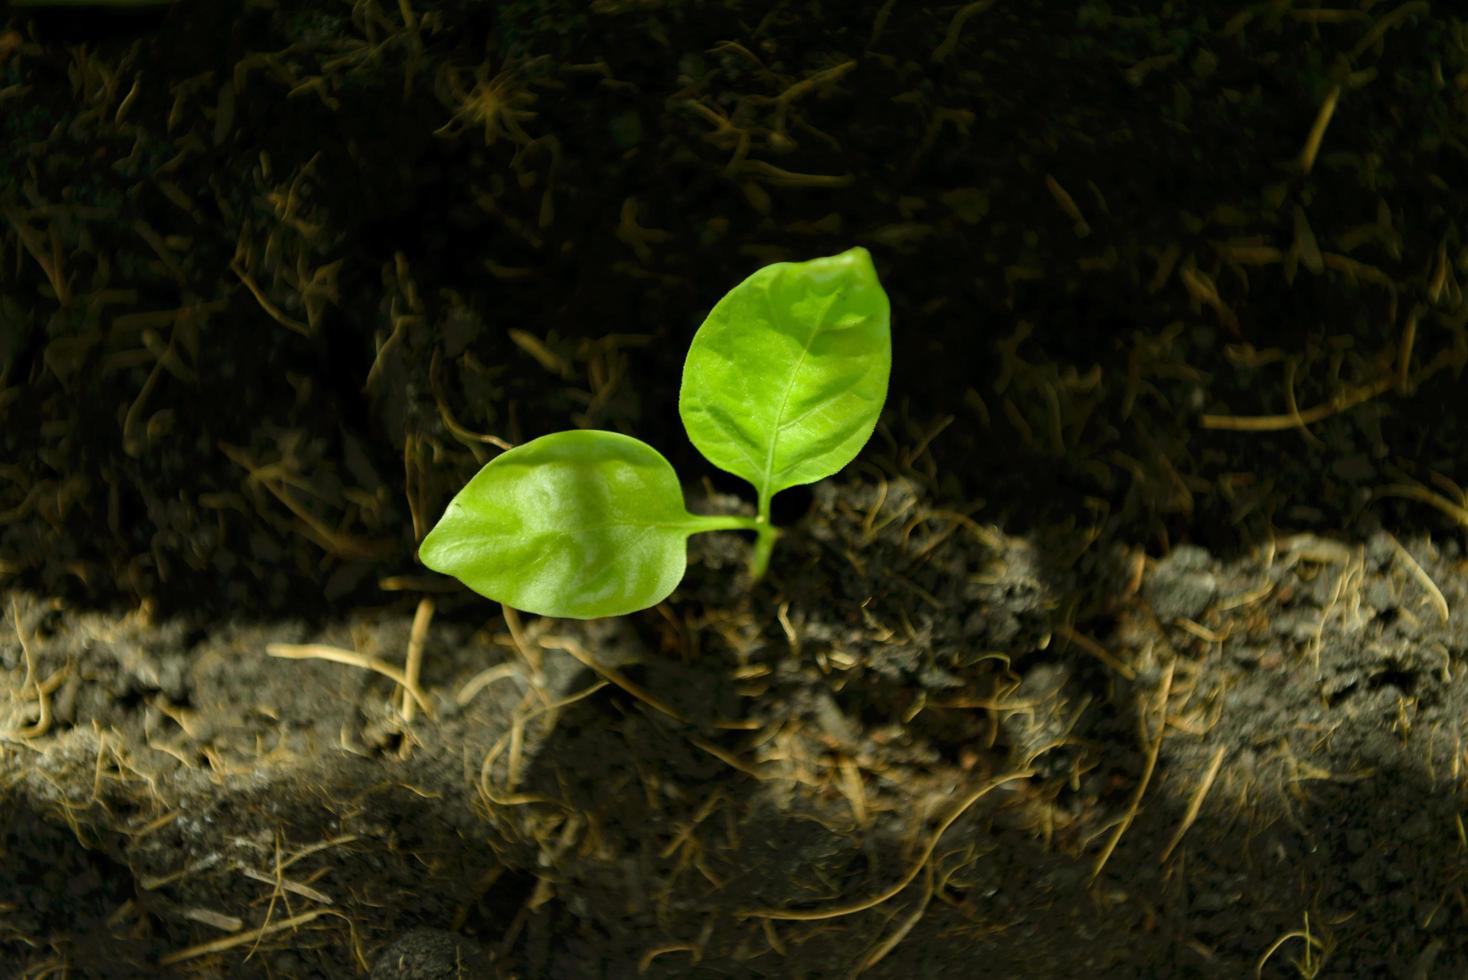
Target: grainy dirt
[[1132, 646]]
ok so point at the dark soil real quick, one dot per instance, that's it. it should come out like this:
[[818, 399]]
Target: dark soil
[[1134, 645]]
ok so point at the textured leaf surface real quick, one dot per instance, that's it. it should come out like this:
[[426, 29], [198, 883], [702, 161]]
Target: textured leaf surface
[[576, 524], [786, 378]]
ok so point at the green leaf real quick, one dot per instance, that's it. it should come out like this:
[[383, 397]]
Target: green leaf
[[576, 524], [786, 378]]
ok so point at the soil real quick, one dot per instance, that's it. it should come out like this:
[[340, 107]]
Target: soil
[[1133, 645]]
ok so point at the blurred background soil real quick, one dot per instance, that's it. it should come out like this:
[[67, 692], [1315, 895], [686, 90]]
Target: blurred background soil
[[1132, 646]]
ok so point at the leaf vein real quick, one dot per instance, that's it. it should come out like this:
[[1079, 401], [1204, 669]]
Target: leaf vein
[[764, 487]]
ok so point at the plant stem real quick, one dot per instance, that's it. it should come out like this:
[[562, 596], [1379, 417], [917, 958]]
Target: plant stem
[[724, 522], [766, 533], [759, 559]]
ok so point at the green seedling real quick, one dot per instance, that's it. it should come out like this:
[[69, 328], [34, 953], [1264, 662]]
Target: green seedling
[[782, 386]]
